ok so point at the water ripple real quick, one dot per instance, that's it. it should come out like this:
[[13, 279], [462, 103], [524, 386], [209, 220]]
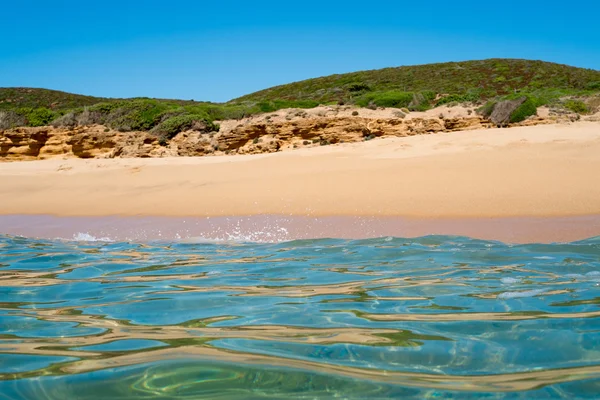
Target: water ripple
[[431, 317]]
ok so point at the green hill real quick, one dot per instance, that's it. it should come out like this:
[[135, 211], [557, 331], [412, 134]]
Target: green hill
[[414, 87], [473, 79], [11, 98]]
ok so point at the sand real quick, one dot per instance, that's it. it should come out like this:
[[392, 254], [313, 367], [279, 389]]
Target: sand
[[538, 171]]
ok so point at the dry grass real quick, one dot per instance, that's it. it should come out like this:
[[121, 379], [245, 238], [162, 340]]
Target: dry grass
[[593, 103], [10, 119]]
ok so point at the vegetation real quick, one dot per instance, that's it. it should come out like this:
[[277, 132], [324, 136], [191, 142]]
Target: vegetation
[[179, 123], [576, 106], [11, 98], [487, 109], [415, 88], [487, 78], [386, 99], [524, 111]]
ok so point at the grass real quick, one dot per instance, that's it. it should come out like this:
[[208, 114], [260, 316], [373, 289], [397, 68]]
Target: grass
[[416, 88]]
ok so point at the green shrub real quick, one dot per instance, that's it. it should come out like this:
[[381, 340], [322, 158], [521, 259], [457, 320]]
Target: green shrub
[[453, 98], [593, 86], [472, 96], [271, 106], [429, 95], [180, 123], [525, 110], [105, 108], [421, 101], [223, 112], [136, 115], [386, 99], [577, 106], [487, 109], [38, 116], [359, 87]]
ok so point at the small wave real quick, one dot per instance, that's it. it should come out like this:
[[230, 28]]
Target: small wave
[[86, 237], [517, 295]]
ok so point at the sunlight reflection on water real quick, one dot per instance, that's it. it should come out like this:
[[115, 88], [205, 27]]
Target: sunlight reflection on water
[[431, 317]]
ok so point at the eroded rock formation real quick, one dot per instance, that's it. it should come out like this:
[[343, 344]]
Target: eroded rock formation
[[252, 137]]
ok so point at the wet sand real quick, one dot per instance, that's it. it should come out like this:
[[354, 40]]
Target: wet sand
[[273, 228], [532, 183]]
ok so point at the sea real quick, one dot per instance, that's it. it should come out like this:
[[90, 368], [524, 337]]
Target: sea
[[432, 317]]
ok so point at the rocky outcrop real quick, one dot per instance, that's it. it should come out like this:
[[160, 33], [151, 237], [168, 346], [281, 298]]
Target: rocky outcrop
[[264, 137], [503, 110], [251, 137], [80, 142]]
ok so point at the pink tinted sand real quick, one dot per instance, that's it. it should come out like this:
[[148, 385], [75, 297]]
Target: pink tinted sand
[[273, 228]]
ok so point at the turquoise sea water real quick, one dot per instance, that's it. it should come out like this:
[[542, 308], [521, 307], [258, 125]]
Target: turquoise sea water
[[435, 317]]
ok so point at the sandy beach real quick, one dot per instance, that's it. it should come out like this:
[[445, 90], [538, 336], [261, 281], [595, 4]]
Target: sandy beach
[[532, 172]]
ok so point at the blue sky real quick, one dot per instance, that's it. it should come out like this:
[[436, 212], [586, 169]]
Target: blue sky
[[219, 50]]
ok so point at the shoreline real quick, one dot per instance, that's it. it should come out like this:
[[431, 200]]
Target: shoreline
[[279, 228], [514, 176]]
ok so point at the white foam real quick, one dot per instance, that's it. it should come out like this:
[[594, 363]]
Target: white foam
[[509, 280], [86, 237], [516, 295]]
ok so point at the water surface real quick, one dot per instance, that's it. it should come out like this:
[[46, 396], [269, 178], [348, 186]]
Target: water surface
[[433, 317]]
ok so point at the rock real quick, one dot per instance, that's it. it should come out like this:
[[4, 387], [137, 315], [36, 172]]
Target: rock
[[502, 111], [97, 141], [91, 144], [465, 124]]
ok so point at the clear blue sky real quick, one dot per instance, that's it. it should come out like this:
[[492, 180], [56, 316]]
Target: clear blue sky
[[218, 50]]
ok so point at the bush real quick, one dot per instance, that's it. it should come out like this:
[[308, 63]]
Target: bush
[[472, 96], [359, 87], [136, 115], [421, 101], [180, 123], [593, 86], [67, 120], [87, 117], [524, 111], [386, 99], [37, 116], [174, 113], [487, 109], [105, 108], [577, 106], [270, 106]]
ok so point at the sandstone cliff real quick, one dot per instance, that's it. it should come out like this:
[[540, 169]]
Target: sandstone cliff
[[287, 130]]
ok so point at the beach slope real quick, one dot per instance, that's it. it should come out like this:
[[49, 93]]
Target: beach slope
[[547, 170]]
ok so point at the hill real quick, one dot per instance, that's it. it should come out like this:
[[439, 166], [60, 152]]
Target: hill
[[11, 98], [417, 88], [482, 79], [20, 97]]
